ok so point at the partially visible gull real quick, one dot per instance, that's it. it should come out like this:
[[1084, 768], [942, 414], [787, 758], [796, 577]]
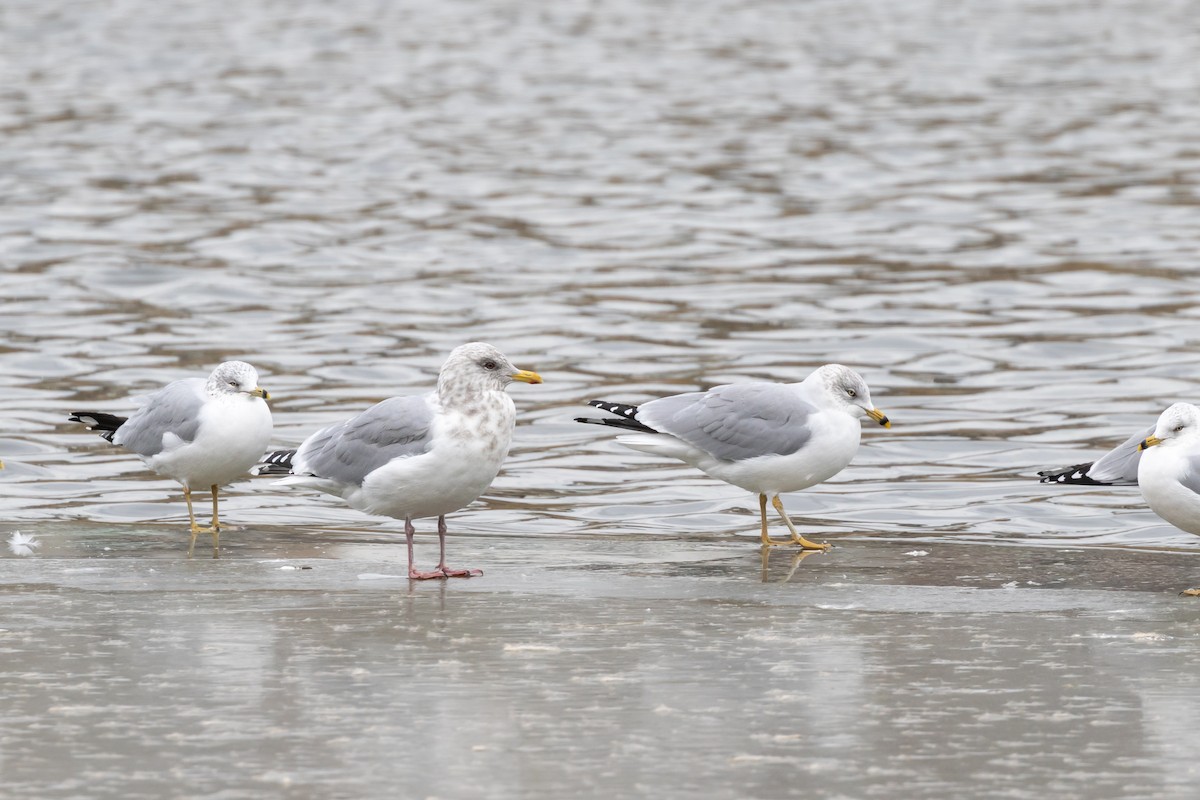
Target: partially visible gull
[[420, 455], [766, 438], [1169, 472], [202, 433]]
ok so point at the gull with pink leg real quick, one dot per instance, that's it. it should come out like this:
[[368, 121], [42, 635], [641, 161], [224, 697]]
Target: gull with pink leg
[[417, 456]]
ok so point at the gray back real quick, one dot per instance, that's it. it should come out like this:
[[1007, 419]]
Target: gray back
[[173, 409], [736, 421], [348, 452]]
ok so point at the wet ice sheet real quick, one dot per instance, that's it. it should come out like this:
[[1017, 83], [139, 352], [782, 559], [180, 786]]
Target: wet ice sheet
[[605, 668]]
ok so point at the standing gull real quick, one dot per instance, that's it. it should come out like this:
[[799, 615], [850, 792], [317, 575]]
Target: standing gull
[[766, 438], [1169, 471], [202, 433], [420, 455]]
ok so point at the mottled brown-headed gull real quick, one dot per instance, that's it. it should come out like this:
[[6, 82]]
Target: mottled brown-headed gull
[[417, 456]]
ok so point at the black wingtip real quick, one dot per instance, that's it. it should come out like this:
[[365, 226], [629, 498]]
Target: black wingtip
[[621, 409], [1076, 475], [278, 462], [104, 424], [626, 418]]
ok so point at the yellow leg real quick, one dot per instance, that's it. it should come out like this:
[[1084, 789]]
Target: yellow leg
[[1190, 593], [796, 537], [196, 529], [762, 511], [216, 523]]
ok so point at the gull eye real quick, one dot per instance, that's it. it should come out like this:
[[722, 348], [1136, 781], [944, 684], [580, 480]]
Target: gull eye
[[234, 384], [852, 393], [1178, 428], [489, 364]]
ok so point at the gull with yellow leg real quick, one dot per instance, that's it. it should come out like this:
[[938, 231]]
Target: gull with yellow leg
[[767, 438], [201, 432]]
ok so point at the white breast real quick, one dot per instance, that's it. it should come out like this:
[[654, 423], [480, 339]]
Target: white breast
[[832, 446], [233, 435], [469, 447], [1159, 475]]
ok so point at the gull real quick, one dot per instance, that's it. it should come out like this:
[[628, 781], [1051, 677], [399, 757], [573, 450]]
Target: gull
[[419, 455], [200, 432], [764, 437], [1169, 470]]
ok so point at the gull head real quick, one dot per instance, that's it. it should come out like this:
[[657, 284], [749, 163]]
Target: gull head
[[235, 377], [1178, 426], [476, 367], [845, 389]]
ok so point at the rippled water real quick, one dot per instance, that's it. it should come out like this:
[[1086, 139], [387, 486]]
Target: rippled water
[[991, 212], [989, 209]]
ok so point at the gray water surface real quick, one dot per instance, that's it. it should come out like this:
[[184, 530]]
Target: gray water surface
[[989, 210]]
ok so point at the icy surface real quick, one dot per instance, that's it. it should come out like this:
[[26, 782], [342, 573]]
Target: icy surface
[[621, 667]]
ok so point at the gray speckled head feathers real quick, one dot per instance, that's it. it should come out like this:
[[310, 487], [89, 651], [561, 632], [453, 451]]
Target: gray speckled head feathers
[[475, 368], [844, 387], [231, 377]]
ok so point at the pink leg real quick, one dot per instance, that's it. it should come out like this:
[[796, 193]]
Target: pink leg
[[451, 573], [413, 574]]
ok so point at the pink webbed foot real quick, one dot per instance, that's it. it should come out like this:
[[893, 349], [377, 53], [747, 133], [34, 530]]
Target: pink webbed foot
[[442, 570], [460, 573], [417, 575]]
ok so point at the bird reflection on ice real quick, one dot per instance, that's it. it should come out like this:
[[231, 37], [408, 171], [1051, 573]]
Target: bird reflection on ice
[[797, 558]]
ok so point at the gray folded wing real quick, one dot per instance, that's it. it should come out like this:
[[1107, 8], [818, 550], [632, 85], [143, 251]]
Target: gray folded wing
[[1120, 465], [734, 422], [1191, 478], [396, 428], [173, 409]]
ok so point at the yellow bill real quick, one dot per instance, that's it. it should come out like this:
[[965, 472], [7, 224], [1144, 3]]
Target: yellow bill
[[879, 417], [525, 376]]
